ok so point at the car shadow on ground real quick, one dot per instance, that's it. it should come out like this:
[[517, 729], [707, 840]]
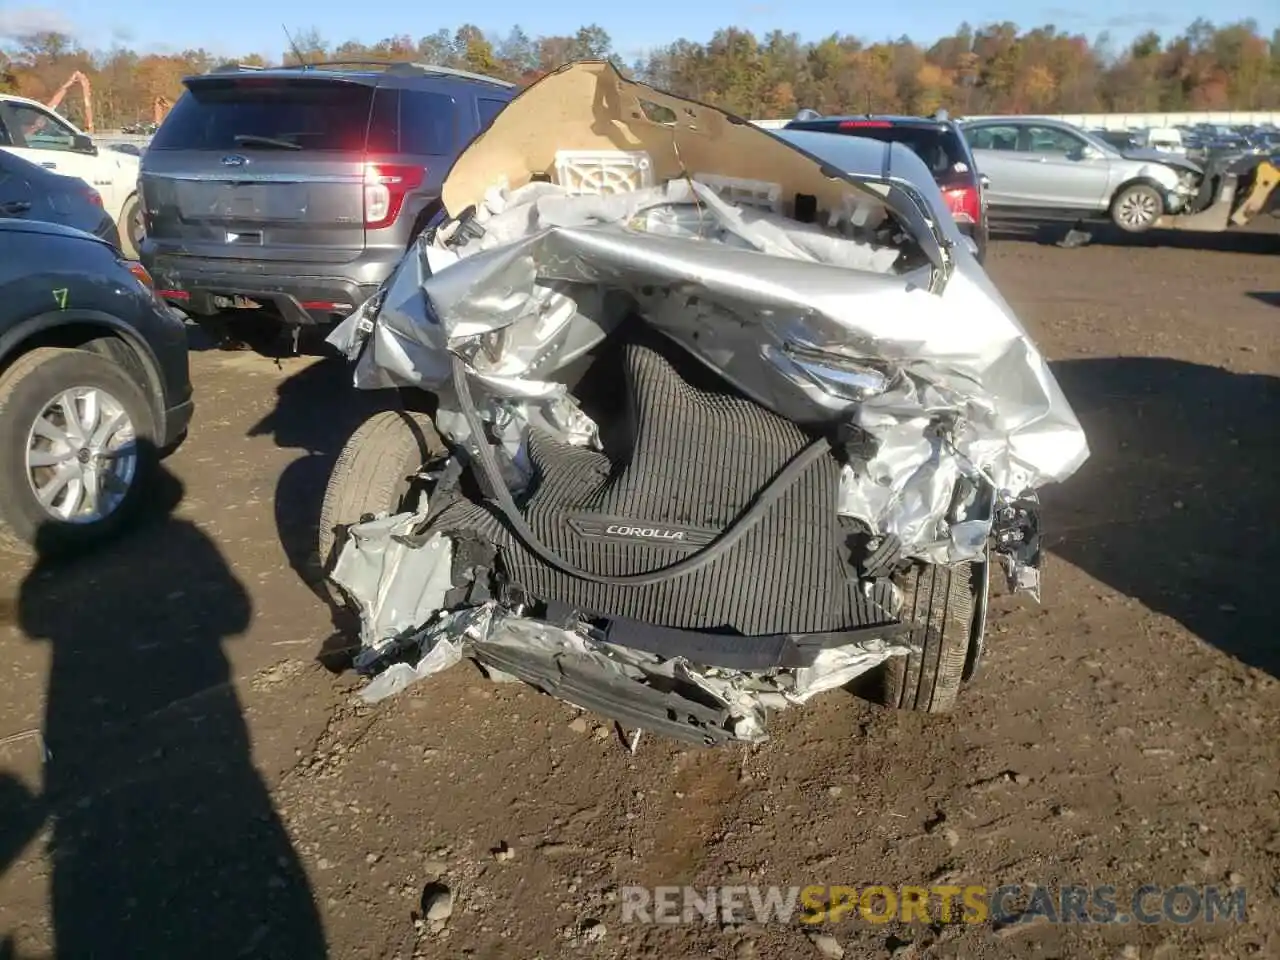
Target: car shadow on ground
[[1176, 505], [1068, 233], [1270, 299], [163, 840], [251, 331], [317, 410]]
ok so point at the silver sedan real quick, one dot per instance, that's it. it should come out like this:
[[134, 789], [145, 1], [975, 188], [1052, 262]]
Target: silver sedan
[[1040, 165]]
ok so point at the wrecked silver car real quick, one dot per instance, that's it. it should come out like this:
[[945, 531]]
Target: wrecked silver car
[[698, 421]]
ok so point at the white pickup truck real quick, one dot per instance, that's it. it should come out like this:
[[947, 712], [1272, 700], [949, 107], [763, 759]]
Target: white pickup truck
[[34, 132]]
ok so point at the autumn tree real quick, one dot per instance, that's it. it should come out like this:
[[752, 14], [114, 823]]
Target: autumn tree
[[984, 68], [8, 79], [306, 46]]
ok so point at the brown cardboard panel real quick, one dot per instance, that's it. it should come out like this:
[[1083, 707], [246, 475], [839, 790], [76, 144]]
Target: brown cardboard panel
[[589, 105]]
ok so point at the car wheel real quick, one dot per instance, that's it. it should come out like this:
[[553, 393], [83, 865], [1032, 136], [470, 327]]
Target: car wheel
[[940, 604], [374, 474], [132, 227], [77, 449], [1136, 209]]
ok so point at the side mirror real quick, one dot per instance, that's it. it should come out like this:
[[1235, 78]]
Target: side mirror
[[84, 144], [985, 181]]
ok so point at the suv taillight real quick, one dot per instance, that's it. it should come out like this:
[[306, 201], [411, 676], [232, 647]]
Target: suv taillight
[[962, 201], [385, 187]]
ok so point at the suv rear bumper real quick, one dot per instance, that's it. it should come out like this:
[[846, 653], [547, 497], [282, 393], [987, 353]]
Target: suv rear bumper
[[203, 287]]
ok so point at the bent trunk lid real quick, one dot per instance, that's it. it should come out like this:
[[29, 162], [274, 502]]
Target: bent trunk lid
[[590, 112]]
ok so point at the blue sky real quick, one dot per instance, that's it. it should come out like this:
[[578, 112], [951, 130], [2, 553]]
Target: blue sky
[[235, 26]]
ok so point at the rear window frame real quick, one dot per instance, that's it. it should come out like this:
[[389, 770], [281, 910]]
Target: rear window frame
[[481, 102], [172, 136], [455, 132], [377, 144]]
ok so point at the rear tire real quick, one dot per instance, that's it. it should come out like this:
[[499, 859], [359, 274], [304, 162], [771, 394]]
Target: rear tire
[[940, 602], [1136, 208], [373, 474]]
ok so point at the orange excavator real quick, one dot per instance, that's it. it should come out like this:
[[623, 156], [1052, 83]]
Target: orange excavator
[[85, 89]]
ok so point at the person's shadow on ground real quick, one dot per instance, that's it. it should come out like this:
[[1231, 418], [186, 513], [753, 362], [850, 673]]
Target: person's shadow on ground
[[164, 839], [1176, 507]]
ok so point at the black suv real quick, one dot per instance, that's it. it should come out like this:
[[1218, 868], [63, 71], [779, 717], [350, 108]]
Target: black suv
[[939, 143], [296, 190]]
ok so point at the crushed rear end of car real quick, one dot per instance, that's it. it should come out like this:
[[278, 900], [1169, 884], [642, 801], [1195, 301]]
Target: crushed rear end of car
[[710, 408]]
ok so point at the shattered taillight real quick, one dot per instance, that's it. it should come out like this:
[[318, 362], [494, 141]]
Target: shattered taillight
[[385, 187]]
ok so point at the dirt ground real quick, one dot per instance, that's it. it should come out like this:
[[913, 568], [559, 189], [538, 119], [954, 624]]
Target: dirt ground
[[180, 776]]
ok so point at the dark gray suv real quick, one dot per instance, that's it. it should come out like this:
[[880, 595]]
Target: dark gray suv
[[294, 191]]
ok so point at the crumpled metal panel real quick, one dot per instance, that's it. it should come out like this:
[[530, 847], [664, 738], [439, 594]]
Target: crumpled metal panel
[[382, 566], [397, 582], [812, 324], [951, 415]]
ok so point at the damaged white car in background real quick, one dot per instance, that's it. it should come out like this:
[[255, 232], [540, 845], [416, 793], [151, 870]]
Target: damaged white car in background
[[700, 421]]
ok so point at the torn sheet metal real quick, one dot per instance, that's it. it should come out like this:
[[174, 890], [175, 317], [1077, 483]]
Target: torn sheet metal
[[841, 300], [591, 197], [397, 582], [821, 322], [808, 339], [383, 562]]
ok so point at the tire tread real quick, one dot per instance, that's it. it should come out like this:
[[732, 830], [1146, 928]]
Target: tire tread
[[370, 469], [31, 364], [1120, 195], [939, 600]]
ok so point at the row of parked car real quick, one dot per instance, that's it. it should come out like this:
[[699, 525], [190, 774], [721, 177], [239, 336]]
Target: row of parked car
[[291, 192], [1046, 169], [337, 167], [288, 196], [1201, 141]]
